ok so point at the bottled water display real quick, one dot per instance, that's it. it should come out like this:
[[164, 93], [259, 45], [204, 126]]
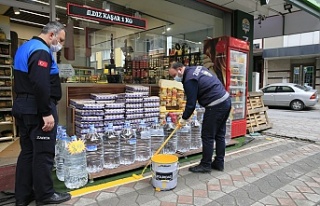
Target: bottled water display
[[171, 146], [127, 145], [196, 142], [60, 155], [200, 112], [143, 146], [184, 138], [111, 144], [75, 165], [228, 131], [157, 136], [58, 137], [94, 150]]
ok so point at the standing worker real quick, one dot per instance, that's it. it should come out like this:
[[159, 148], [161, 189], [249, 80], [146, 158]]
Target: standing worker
[[38, 88], [200, 84]]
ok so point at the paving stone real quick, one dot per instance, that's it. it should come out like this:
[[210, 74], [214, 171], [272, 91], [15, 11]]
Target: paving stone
[[111, 201], [226, 200], [289, 188], [213, 195], [187, 191], [253, 192], [312, 197], [257, 204], [166, 204], [200, 201], [286, 201], [269, 200], [142, 199], [304, 203], [182, 199], [228, 189], [84, 201], [124, 190], [169, 198], [142, 185], [280, 194], [153, 203], [213, 203], [106, 195]]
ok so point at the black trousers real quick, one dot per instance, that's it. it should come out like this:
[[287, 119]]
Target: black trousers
[[214, 130], [35, 162]]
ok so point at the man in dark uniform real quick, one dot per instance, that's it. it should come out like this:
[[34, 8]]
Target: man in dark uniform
[[38, 88], [200, 84]]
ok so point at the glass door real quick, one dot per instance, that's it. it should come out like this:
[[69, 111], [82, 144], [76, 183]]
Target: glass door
[[303, 75], [238, 78]]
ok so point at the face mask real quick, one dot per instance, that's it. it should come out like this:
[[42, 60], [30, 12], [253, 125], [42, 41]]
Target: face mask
[[177, 78], [56, 48]]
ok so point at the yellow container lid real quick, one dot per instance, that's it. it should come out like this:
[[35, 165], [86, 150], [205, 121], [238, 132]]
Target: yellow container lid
[[164, 158]]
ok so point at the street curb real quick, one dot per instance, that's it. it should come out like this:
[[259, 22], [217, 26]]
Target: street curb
[[290, 137]]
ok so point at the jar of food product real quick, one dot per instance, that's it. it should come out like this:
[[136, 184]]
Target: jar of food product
[[174, 102], [2, 35], [174, 92], [163, 102], [169, 92], [169, 101]]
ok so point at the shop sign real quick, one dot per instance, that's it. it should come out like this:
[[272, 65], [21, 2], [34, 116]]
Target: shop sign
[[66, 70], [105, 16]]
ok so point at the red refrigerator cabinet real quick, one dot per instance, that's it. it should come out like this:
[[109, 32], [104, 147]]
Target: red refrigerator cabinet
[[227, 57]]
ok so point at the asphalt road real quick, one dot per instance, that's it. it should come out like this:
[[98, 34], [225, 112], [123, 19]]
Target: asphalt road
[[303, 124]]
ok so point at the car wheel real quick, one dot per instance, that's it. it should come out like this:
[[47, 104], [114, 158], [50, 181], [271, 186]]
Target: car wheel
[[297, 105]]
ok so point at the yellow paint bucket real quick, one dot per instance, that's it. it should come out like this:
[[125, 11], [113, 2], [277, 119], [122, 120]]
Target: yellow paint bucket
[[164, 170]]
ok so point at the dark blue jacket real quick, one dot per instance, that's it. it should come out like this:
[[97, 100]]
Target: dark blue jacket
[[200, 84], [36, 74]]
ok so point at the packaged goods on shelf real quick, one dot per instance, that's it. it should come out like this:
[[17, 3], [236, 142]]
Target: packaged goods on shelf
[[91, 112], [88, 118], [137, 88], [75, 102], [103, 96]]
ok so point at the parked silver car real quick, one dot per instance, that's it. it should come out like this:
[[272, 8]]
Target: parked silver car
[[290, 95]]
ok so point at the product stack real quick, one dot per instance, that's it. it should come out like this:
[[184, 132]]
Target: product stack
[[87, 112], [171, 99], [151, 107], [134, 103]]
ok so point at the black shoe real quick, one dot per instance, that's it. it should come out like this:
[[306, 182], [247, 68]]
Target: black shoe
[[25, 202], [216, 167], [199, 169], [56, 198]]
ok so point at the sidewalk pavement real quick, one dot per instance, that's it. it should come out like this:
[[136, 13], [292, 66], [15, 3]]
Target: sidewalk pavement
[[267, 171]]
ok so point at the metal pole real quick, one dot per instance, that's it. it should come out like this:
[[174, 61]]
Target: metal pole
[[53, 18]]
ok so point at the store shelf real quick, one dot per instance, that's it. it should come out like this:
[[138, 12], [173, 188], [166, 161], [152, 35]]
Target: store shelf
[[5, 66], [6, 123], [5, 98], [6, 138], [7, 109], [5, 88], [237, 87], [5, 43], [6, 91], [5, 56], [5, 77]]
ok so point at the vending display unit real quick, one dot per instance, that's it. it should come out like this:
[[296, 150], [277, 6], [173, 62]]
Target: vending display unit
[[227, 57]]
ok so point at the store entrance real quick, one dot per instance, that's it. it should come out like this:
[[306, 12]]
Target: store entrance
[[303, 75]]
